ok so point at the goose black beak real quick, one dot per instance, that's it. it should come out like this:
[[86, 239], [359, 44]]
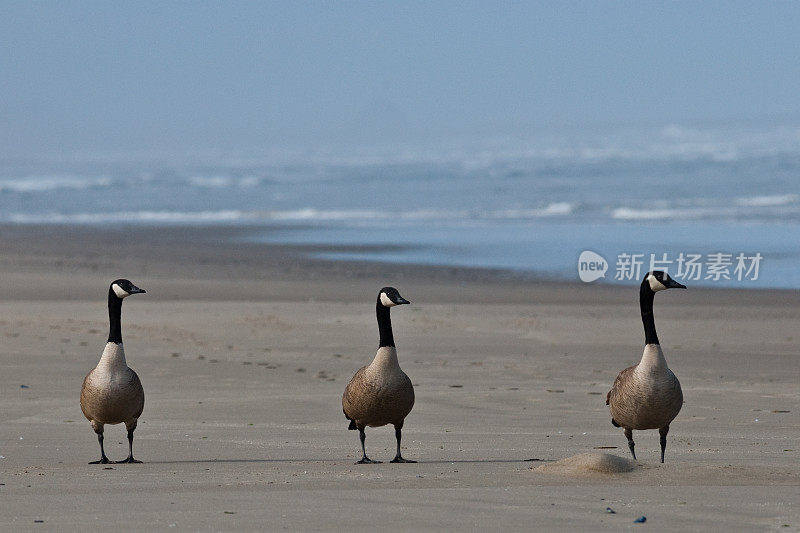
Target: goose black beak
[[137, 290], [400, 300], [672, 284]]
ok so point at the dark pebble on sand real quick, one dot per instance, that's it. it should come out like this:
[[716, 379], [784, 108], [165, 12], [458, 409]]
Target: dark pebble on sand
[[609, 510], [24, 387], [640, 520]]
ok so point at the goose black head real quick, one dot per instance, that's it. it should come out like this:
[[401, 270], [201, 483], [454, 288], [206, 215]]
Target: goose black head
[[658, 281], [389, 297], [124, 288]]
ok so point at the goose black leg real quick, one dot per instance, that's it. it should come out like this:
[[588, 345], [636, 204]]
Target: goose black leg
[[103, 459], [130, 458], [663, 433], [399, 458], [364, 459], [629, 436]]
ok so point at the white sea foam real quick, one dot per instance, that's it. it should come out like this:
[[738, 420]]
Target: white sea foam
[[768, 201], [558, 208], [311, 214], [152, 217], [550, 210], [694, 213], [292, 215], [628, 213], [223, 182], [763, 208], [35, 184], [210, 182]]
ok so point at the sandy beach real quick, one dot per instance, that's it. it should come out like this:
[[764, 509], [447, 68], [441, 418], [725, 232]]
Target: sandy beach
[[244, 351]]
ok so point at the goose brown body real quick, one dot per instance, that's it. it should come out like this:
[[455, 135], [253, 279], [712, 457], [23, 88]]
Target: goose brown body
[[379, 393], [646, 395], [111, 392]]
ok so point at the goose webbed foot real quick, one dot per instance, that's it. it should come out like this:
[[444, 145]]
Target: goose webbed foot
[[130, 459], [401, 459], [631, 445], [103, 461], [367, 461]]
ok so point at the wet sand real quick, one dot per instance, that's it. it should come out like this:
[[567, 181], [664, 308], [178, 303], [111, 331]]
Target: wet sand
[[244, 351]]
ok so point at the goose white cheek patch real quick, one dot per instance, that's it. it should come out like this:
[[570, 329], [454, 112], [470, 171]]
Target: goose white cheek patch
[[655, 285], [386, 301], [119, 291]]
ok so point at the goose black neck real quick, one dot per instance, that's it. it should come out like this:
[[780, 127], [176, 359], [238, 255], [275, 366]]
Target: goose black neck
[[114, 314], [384, 324], [646, 296]]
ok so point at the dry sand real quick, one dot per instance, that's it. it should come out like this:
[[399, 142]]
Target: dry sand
[[244, 351]]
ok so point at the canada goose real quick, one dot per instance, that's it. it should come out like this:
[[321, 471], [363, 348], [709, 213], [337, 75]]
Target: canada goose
[[112, 392], [647, 395], [380, 393]]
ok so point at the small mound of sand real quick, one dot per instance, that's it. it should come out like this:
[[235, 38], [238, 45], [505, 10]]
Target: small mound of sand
[[589, 463]]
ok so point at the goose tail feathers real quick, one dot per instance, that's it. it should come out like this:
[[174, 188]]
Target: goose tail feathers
[[352, 422]]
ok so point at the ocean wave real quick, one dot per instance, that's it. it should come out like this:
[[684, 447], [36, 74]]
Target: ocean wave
[[152, 217], [223, 182], [311, 214], [292, 215], [768, 201], [768, 208], [36, 184], [628, 213]]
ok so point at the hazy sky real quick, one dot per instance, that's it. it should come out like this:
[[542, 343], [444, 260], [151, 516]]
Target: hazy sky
[[251, 75]]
